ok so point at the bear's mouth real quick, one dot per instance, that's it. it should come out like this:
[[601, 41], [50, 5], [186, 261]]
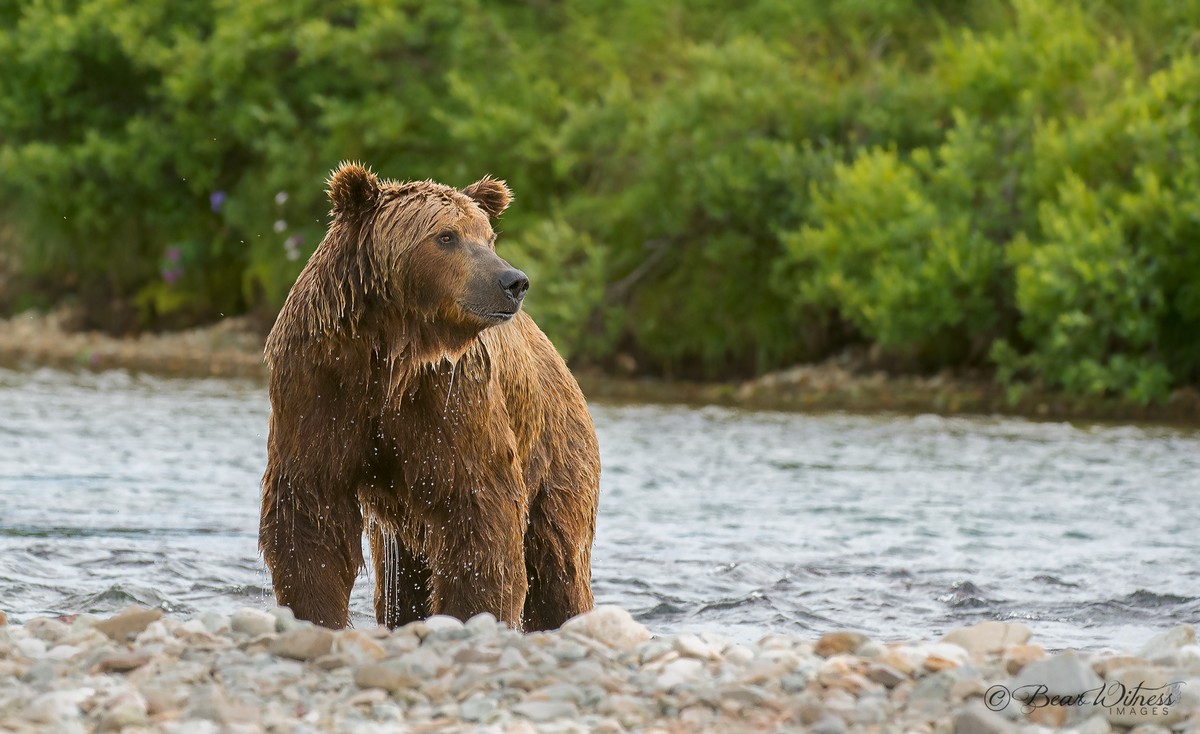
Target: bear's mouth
[[498, 316]]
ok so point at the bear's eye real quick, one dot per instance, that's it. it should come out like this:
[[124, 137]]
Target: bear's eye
[[447, 238]]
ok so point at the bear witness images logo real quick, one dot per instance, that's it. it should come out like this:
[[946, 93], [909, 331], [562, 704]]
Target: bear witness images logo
[[1118, 698]]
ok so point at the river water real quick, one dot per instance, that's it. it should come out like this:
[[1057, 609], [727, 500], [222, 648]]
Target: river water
[[116, 489]]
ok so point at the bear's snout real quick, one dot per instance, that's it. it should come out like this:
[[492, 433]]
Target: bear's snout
[[515, 284]]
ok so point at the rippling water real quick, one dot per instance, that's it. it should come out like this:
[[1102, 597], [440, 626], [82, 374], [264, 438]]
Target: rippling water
[[117, 489]]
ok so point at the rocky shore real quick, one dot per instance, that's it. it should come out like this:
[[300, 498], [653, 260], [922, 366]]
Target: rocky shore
[[263, 671], [849, 382]]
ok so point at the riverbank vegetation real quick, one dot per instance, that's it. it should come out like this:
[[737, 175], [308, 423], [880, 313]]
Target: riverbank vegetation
[[704, 189]]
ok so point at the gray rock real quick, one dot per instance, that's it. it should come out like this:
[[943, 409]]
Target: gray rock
[[885, 675], [252, 622], [1166, 644], [1065, 674], [793, 682], [932, 691], [977, 719], [39, 674], [218, 624], [545, 710], [610, 625], [583, 672], [476, 708], [512, 659], [304, 643], [654, 649], [560, 692], [829, 725]]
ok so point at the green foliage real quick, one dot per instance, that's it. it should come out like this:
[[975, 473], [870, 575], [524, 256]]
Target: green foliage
[[716, 190]]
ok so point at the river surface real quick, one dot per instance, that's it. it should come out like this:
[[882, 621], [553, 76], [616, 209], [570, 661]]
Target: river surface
[[119, 489]]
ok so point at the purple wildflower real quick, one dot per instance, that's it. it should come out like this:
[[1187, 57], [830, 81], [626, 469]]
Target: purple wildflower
[[217, 199], [174, 254]]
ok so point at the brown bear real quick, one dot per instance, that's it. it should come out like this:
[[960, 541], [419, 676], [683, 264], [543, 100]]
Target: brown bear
[[413, 398]]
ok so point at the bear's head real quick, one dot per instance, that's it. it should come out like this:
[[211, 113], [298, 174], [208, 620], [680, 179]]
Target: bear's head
[[422, 252]]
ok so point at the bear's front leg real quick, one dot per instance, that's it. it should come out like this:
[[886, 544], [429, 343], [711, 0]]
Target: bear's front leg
[[310, 530], [478, 558], [313, 548]]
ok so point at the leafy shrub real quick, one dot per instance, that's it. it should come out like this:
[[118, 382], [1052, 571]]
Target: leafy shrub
[[715, 192]]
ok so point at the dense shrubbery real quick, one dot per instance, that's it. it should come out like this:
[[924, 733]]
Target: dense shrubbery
[[712, 188]]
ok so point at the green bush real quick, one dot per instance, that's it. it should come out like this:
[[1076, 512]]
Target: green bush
[[714, 190]]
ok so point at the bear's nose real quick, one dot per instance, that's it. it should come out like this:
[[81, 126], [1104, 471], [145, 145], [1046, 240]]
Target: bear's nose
[[514, 283]]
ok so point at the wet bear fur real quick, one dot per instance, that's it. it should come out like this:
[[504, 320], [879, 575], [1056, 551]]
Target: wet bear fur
[[407, 405]]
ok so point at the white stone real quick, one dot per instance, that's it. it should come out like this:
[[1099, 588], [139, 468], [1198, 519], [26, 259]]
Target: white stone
[[1189, 659], [1156, 683], [989, 638], [439, 622], [1094, 725], [482, 623], [56, 707], [63, 652], [253, 622], [188, 628], [31, 647], [691, 646], [739, 655], [156, 631], [947, 651], [683, 670], [1167, 643], [358, 646], [610, 625]]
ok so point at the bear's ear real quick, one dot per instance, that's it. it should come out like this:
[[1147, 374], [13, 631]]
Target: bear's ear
[[353, 188], [492, 196]]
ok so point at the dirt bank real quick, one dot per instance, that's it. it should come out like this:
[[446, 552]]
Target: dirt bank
[[232, 348]]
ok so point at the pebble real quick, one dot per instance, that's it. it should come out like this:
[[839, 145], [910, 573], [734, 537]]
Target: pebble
[[610, 625], [1065, 674], [263, 670], [678, 672], [545, 710], [252, 622], [358, 646], [1017, 657], [988, 639], [129, 622], [1165, 645], [303, 643], [977, 719], [839, 643]]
